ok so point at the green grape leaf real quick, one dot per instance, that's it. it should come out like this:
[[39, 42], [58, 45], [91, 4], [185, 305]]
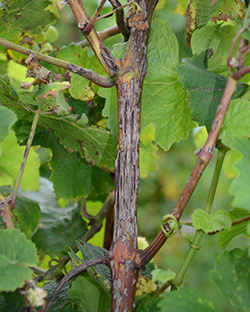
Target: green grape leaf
[[184, 298], [147, 303], [219, 39], [27, 212], [11, 301], [10, 162], [246, 22], [90, 251], [205, 88], [20, 19], [162, 276], [163, 98], [238, 114], [94, 144], [7, 118], [16, 254], [3, 64], [62, 298], [110, 110], [239, 187], [65, 225], [199, 13], [81, 88], [89, 294], [231, 275], [148, 152], [214, 221], [72, 176], [225, 236]]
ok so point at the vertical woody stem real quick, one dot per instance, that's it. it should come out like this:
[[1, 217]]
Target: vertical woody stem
[[123, 254]]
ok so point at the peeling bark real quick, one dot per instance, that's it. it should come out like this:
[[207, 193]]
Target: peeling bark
[[123, 254]]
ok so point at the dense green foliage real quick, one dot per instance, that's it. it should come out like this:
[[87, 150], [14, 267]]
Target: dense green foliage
[[71, 162]]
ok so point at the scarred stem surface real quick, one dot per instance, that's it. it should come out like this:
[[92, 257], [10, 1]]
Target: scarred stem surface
[[104, 55], [123, 253]]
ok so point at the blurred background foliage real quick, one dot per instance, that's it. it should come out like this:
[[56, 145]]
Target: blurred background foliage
[[160, 191]]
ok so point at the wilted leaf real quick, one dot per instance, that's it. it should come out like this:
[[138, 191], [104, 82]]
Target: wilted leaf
[[20, 19], [94, 144], [199, 13]]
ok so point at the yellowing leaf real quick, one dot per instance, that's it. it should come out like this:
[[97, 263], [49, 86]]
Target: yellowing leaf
[[148, 156], [10, 162], [181, 7], [145, 286]]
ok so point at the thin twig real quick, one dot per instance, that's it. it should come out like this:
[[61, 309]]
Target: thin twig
[[94, 17], [236, 222], [120, 19], [229, 65], [13, 195], [241, 72], [103, 54], [199, 234], [102, 81], [107, 33], [247, 218], [74, 272]]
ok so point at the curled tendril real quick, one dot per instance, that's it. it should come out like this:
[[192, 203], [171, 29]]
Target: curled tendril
[[175, 227]]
